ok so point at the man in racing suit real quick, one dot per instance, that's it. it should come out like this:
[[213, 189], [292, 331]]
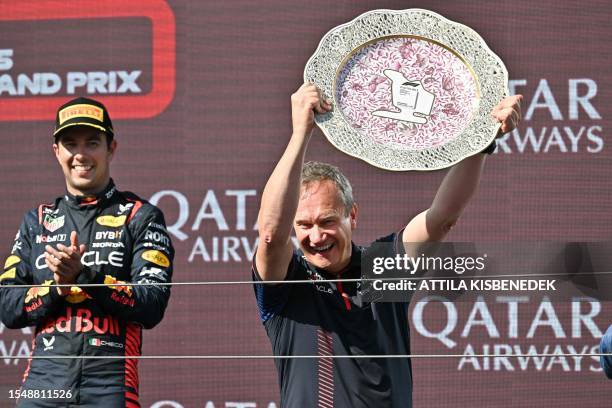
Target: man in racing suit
[[124, 240]]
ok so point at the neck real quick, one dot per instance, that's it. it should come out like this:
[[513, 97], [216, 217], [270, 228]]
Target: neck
[[88, 192]]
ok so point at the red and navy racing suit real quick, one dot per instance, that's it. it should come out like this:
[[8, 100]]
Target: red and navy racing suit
[[126, 241]]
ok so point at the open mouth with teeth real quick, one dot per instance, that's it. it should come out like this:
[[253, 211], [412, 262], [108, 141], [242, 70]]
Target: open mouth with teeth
[[321, 249], [82, 168]]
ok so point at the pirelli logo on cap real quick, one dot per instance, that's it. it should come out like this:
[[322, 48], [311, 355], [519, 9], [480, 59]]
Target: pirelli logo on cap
[[81, 111]]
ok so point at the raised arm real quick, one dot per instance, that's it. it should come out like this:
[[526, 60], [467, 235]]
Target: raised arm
[[459, 185], [280, 197]]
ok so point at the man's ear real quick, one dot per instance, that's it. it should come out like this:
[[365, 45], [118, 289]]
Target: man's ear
[[112, 148], [353, 216], [56, 150]]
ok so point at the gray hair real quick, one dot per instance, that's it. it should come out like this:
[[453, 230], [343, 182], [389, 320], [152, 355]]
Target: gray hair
[[317, 171]]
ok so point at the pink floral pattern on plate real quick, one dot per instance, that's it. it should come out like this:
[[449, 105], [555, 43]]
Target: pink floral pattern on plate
[[362, 88]]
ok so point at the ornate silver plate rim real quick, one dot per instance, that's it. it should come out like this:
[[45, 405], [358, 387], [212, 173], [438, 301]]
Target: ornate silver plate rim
[[340, 43]]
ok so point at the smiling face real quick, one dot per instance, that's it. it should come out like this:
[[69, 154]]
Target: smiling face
[[85, 156], [323, 228]]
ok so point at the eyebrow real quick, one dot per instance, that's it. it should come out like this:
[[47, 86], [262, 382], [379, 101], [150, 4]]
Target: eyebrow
[[322, 217]]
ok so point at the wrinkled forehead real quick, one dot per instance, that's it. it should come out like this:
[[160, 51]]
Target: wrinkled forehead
[[319, 198]]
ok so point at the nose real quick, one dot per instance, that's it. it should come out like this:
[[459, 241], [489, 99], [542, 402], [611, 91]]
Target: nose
[[78, 151], [316, 235]]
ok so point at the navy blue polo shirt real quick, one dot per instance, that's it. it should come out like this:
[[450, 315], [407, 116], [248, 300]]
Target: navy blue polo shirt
[[326, 318]]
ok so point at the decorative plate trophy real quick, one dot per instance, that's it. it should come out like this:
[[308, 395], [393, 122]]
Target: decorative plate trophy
[[411, 90]]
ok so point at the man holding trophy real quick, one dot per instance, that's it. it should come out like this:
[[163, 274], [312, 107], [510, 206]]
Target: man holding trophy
[[326, 319]]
